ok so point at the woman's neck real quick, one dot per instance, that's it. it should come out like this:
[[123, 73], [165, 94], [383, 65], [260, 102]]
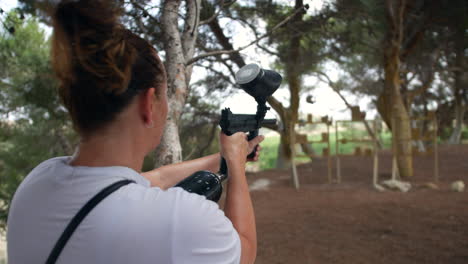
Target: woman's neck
[[109, 150]]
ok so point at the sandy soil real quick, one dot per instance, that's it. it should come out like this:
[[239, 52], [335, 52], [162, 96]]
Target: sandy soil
[[353, 223]]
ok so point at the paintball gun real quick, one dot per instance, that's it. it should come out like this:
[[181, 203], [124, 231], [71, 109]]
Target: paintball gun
[[260, 84]]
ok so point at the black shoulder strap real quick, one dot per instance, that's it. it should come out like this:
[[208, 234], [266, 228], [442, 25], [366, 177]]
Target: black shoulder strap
[[68, 232]]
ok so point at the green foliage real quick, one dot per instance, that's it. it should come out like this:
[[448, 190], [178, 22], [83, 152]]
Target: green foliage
[[464, 134], [269, 152], [34, 126]]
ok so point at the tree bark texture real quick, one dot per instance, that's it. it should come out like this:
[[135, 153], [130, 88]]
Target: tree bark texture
[[225, 43], [390, 103], [284, 159], [179, 47], [289, 116]]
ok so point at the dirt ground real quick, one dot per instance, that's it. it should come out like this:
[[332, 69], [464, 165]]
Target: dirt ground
[[353, 223]]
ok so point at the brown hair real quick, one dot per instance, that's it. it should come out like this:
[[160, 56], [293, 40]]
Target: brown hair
[[100, 64]]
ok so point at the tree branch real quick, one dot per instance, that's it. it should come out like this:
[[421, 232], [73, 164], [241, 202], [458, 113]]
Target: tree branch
[[224, 42], [221, 74], [337, 91], [138, 6], [333, 86], [268, 50], [229, 67], [427, 84], [190, 26], [220, 52], [215, 14], [190, 34], [277, 105]]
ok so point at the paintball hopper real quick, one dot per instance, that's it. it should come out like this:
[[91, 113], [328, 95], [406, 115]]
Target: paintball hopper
[[258, 82]]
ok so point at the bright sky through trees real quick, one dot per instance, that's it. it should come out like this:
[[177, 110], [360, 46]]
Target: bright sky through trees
[[326, 101]]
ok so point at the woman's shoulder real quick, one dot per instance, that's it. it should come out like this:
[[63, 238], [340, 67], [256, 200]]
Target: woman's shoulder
[[192, 209], [44, 169], [195, 210], [51, 163], [185, 199]]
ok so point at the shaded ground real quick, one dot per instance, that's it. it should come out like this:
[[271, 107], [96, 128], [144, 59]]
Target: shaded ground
[[352, 223]]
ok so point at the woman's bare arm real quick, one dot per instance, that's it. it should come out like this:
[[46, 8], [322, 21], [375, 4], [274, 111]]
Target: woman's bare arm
[[238, 206], [239, 209], [169, 175]]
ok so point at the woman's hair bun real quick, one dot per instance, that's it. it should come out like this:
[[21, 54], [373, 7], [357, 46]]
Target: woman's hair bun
[[90, 44], [101, 65]]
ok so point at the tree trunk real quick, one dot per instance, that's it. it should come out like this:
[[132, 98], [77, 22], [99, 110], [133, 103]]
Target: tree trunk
[[455, 137], [392, 109], [179, 48], [284, 159], [459, 91], [307, 149], [402, 135], [169, 150], [390, 103], [289, 116]]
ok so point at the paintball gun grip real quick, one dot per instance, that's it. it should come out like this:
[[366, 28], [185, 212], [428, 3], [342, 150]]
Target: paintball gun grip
[[252, 135], [223, 167]]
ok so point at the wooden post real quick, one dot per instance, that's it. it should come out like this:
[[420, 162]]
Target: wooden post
[[293, 163], [436, 152], [337, 154], [394, 149], [375, 179], [329, 161]]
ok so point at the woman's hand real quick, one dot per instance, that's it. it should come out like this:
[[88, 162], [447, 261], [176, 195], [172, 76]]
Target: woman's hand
[[252, 143], [236, 147]]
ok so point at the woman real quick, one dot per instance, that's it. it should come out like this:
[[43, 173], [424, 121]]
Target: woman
[[114, 87]]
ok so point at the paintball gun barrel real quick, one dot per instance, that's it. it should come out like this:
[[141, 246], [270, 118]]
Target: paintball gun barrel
[[260, 84]]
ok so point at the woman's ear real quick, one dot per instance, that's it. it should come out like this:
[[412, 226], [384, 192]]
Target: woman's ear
[[147, 104]]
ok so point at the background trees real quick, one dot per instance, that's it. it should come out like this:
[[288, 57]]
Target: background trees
[[33, 124], [394, 52]]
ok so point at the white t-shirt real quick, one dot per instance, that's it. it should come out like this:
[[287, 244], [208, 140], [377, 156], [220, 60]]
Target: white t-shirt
[[135, 224]]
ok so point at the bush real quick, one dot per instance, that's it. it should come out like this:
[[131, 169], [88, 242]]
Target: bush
[[269, 152], [464, 134]]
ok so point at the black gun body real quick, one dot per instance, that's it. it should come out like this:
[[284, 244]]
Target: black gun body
[[245, 123], [232, 123]]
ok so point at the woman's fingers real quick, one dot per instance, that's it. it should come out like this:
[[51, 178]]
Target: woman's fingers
[[257, 154]]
